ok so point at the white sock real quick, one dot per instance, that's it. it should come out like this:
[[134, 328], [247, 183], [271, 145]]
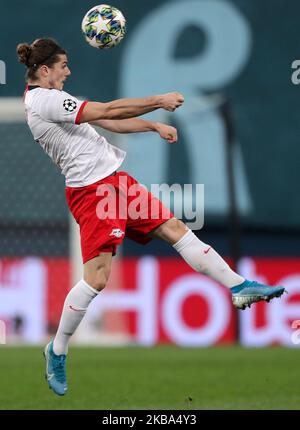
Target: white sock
[[203, 258], [75, 306]]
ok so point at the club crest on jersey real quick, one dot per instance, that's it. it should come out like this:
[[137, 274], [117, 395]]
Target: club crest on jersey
[[69, 105], [117, 232]]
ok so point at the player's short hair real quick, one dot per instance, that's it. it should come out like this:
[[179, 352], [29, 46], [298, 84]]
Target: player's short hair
[[40, 52]]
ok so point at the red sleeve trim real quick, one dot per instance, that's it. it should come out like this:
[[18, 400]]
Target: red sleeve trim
[[26, 89], [77, 120]]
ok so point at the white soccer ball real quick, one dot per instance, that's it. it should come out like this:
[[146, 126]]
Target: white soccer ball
[[103, 26]]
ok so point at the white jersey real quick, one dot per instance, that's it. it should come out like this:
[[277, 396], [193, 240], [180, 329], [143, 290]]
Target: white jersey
[[82, 155]]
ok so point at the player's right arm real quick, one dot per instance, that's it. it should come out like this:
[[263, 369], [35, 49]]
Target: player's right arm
[[130, 108]]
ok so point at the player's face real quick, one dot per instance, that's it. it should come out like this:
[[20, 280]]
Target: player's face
[[59, 72]]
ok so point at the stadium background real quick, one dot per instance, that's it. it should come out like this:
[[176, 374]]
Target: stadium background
[[236, 51]]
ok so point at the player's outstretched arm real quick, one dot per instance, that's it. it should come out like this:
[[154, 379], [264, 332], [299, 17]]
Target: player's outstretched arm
[[130, 108], [137, 125]]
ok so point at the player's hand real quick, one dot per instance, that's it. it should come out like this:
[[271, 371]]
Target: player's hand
[[167, 132], [172, 101]]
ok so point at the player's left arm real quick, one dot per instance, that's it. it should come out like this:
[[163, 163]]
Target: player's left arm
[[137, 125]]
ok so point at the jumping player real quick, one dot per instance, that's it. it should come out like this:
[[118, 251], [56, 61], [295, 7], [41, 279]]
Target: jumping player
[[60, 123]]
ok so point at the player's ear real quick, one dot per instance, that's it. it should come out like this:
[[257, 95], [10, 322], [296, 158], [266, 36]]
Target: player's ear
[[44, 70]]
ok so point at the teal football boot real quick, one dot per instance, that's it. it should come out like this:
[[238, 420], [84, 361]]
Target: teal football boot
[[55, 370], [249, 292]]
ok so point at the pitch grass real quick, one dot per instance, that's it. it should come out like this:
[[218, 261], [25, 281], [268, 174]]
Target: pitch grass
[[164, 377]]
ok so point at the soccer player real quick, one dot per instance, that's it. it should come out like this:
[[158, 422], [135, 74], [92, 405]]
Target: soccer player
[[60, 123]]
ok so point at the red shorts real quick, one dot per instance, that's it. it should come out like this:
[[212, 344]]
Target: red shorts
[[112, 208]]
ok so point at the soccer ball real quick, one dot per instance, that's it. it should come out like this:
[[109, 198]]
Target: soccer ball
[[103, 26]]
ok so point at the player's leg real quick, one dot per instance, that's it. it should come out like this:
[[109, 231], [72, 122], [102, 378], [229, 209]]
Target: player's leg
[[161, 223], [200, 256], [203, 258], [95, 277]]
